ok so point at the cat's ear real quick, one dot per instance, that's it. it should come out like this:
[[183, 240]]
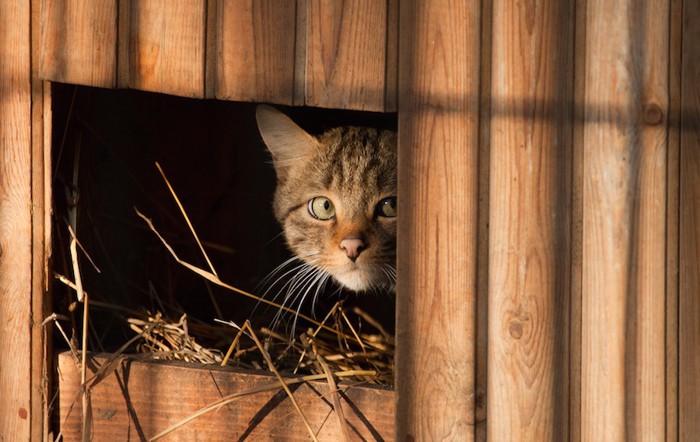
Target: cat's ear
[[288, 143]]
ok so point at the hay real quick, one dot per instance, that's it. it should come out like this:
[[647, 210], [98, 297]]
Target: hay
[[346, 344]]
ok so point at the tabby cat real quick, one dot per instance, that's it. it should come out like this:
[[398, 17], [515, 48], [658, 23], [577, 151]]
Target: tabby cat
[[336, 202]]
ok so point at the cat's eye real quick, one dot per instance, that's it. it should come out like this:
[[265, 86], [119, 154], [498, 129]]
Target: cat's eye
[[321, 208], [387, 207]]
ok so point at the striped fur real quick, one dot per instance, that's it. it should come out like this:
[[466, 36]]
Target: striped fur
[[354, 167]]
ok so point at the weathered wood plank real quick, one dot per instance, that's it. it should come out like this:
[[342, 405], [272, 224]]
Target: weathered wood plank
[[689, 264], [141, 399], [41, 374], [482, 260], [624, 262], [79, 41], [438, 179], [346, 54], [575, 313], [166, 46], [529, 259], [255, 53], [392, 57], [15, 219], [672, 220]]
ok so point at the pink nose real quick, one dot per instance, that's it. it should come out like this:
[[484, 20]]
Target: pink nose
[[353, 247]]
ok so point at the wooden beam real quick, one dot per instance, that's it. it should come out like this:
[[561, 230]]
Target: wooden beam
[[530, 215], [438, 145], [624, 232], [689, 264], [140, 399], [15, 219]]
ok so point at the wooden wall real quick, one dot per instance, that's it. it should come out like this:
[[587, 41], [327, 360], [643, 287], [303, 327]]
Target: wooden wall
[[309, 52], [24, 225], [549, 181]]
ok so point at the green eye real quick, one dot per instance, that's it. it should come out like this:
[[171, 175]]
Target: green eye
[[321, 208], [387, 207]]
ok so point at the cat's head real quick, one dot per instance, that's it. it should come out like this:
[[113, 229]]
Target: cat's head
[[336, 198]]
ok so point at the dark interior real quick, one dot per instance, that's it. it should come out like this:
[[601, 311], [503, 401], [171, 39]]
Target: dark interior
[[217, 164]]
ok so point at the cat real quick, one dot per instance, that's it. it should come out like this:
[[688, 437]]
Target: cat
[[336, 202]]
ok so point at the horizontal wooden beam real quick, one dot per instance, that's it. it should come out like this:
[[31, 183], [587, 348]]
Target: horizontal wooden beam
[[140, 399]]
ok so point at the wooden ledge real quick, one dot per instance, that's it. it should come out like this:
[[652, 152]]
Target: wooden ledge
[[139, 399]]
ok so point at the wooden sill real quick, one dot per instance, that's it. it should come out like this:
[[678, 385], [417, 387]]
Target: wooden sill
[[142, 398]]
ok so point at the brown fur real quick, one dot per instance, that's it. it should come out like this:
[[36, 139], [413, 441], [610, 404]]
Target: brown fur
[[355, 167]]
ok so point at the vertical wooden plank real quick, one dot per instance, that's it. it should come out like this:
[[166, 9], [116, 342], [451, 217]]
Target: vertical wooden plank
[[256, 51], [346, 54], [211, 54], [529, 259], [41, 375], [166, 46], [15, 219], [79, 41], [392, 56], [689, 285], [438, 145], [482, 273], [624, 232], [672, 214], [575, 312], [300, 52]]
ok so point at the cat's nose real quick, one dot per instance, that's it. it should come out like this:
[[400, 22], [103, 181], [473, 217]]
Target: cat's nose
[[353, 247]]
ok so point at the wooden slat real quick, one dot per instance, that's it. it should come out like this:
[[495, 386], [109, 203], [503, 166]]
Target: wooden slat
[[166, 46], [79, 41], [255, 53], [141, 399], [392, 57], [672, 223], [300, 45], [438, 145], [529, 282], [41, 374], [575, 315], [625, 155], [346, 46], [689, 264], [15, 220], [482, 274]]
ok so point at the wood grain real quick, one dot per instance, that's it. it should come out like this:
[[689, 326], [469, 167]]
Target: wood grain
[[392, 57], [482, 273], [672, 220], [41, 363], [689, 267], [256, 51], [346, 54], [79, 41], [141, 399], [438, 179], [166, 46], [624, 262], [15, 220], [575, 313], [529, 259]]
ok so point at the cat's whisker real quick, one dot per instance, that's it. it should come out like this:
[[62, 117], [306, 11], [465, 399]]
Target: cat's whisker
[[317, 276], [274, 272], [299, 279]]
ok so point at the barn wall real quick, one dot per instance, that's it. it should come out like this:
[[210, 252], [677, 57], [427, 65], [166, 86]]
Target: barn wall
[[24, 228], [592, 138]]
